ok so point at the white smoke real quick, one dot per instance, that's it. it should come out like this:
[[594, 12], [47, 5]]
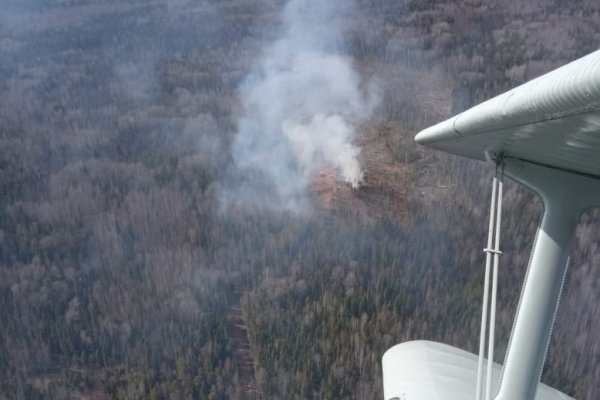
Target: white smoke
[[324, 138], [301, 104]]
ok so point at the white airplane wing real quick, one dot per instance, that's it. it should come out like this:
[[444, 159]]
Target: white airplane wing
[[546, 133], [422, 370], [553, 120]]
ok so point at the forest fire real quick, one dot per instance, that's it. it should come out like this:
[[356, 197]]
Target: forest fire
[[302, 102], [325, 186]]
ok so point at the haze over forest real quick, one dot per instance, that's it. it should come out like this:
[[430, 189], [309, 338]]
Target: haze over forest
[[223, 200]]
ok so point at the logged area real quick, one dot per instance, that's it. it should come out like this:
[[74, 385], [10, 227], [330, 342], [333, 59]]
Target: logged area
[[223, 199]]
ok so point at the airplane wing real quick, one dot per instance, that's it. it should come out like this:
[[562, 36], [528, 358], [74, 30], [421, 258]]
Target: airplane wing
[[422, 370], [553, 120], [546, 133]]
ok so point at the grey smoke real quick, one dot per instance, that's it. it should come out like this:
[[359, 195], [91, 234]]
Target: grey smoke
[[301, 105]]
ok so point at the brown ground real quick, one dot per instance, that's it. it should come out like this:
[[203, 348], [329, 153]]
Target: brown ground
[[386, 175], [242, 357]]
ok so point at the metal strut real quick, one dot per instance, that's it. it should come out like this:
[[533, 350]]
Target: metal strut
[[492, 254]]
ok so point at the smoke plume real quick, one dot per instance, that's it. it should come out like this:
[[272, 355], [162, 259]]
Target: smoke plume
[[301, 104]]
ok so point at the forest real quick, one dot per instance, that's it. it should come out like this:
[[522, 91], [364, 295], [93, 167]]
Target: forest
[[144, 254]]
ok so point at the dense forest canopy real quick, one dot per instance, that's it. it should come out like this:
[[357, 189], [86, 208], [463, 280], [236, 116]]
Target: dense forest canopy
[[152, 248]]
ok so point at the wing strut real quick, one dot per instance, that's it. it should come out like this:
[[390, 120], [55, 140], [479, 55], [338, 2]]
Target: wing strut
[[565, 195], [492, 253]]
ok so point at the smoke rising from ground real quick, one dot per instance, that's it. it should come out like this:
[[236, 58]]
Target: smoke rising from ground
[[301, 104]]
